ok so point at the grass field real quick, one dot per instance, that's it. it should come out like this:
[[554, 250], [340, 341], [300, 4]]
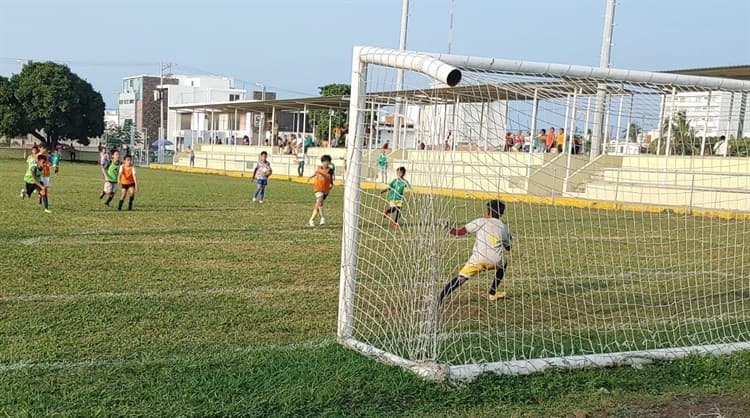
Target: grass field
[[199, 304]]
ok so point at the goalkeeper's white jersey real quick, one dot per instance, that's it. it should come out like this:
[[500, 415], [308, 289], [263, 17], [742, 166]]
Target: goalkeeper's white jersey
[[492, 236]]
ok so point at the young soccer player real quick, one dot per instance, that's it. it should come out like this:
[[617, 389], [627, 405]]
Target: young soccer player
[[33, 181], [396, 195], [383, 166], [262, 172], [46, 170], [323, 184], [55, 159], [492, 237], [30, 162], [103, 164], [128, 182], [111, 172]]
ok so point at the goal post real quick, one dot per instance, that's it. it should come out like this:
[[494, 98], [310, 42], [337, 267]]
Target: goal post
[[632, 256]]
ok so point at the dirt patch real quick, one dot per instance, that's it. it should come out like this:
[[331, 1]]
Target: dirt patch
[[683, 405]]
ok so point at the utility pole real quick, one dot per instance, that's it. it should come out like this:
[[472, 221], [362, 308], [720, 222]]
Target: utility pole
[[601, 91], [261, 122], [397, 118], [450, 28], [164, 69]]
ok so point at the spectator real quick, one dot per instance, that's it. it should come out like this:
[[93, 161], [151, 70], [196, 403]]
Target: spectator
[[561, 140], [338, 133], [192, 157], [550, 140], [518, 141], [508, 142], [300, 162], [422, 146], [721, 147], [540, 144], [446, 146], [308, 143], [245, 140], [385, 145]]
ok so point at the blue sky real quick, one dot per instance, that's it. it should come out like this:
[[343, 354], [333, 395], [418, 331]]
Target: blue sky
[[294, 46]]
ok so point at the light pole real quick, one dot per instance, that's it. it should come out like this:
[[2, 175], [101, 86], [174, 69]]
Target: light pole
[[261, 122], [400, 73], [601, 91], [450, 28]]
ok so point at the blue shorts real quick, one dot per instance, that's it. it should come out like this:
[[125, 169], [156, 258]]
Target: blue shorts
[[262, 182]]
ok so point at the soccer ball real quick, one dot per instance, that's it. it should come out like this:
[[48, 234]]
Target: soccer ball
[[267, 171]]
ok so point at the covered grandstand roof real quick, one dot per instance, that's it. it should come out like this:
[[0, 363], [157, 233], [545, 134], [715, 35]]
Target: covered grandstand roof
[[738, 72]]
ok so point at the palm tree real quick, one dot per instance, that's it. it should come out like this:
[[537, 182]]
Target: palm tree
[[683, 141]]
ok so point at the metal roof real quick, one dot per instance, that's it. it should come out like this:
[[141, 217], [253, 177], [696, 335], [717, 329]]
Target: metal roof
[[464, 94], [312, 103], [737, 72]]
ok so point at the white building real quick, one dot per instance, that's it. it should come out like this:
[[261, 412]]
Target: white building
[[182, 127], [715, 114]]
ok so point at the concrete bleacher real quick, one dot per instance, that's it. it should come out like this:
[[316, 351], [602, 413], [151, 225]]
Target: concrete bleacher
[[687, 182], [691, 182]]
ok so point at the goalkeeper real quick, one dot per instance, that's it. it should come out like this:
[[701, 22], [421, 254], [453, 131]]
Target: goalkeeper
[[492, 237]]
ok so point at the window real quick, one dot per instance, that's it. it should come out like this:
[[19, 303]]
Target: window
[[234, 97]]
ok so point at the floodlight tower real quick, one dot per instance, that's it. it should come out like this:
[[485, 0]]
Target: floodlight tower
[[400, 75], [601, 94]]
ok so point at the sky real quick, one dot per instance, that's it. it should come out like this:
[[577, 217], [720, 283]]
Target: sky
[[295, 46]]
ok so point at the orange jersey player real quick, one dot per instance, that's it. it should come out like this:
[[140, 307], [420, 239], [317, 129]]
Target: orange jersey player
[[323, 184]]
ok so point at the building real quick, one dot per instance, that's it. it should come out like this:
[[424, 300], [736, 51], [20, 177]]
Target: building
[[720, 113], [136, 103], [713, 115], [139, 103]]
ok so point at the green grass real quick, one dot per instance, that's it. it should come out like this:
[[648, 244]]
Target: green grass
[[198, 304]]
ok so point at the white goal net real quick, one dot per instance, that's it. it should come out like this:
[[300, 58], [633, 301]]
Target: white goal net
[[629, 225]]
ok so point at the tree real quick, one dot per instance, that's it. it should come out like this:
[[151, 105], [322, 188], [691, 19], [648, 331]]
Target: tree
[[51, 103], [633, 132], [321, 116], [683, 141], [117, 136]]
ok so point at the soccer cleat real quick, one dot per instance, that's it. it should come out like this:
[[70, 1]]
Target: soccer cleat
[[322, 221], [255, 200], [23, 193], [47, 211], [394, 225], [311, 223], [385, 213], [497, 295], [260, 201]]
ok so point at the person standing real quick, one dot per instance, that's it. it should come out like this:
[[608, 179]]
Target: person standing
[[300, 162], [383, 166], [550, 140], [561, 141], [261, 172], [192, 157]]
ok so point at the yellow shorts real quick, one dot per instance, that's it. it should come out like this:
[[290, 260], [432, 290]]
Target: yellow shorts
[[396, 203], [470, 270]]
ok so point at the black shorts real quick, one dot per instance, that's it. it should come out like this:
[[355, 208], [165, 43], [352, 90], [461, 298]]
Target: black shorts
[[126, 186], [30, 187]]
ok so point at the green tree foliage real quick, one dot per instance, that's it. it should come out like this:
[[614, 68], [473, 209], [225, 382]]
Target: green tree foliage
[[683, 141], [51, 103], [117, 136], [321, 117]]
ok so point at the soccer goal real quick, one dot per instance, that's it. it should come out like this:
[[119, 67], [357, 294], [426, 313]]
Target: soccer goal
[[630, 225]]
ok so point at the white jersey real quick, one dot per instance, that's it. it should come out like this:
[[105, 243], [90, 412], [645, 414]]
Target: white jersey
[[492, 237], [262, 170]]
